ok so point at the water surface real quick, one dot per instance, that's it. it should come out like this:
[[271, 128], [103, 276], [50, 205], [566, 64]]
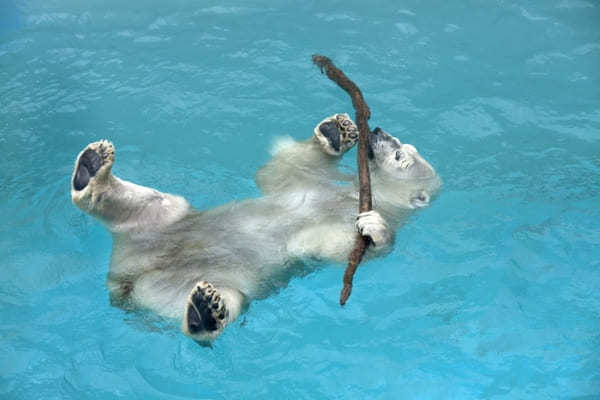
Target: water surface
[[492, 292]]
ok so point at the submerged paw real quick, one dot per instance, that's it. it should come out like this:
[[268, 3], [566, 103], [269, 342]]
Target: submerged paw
[[91, 160], [205, 312]]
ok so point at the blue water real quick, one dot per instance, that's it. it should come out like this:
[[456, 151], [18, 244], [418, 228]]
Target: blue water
[[492, 292]]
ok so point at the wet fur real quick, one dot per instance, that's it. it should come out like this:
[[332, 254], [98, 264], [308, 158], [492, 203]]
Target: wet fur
[[248, 249]]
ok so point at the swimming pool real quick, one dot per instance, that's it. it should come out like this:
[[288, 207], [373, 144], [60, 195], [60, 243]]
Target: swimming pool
[[492, 292]]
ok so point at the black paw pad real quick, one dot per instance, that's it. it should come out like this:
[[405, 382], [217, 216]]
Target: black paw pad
[[331, 131], [205, 310], [89, 163]]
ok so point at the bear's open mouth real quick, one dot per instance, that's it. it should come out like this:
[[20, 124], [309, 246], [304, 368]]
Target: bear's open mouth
[[89, 163]]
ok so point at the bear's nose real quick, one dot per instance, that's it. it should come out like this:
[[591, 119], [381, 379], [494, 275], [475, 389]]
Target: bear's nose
[[376, 131]]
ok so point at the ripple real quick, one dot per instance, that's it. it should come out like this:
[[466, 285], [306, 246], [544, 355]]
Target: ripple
[[470, 120], [406, 28], [490, 292]]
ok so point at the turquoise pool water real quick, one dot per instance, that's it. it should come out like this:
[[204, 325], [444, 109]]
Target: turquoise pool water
[[492, 292]]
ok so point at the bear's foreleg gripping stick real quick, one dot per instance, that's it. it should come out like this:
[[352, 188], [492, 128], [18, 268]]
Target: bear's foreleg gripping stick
[[365, 204]]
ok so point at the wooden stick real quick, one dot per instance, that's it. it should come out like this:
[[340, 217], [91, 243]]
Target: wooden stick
[[365, 203]]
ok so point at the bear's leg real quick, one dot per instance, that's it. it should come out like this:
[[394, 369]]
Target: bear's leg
[[335, 241], [311, 162], [121, 205], [209, 310]]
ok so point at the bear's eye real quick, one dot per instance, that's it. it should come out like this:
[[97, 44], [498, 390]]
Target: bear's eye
[[398, 155], [345, 123]]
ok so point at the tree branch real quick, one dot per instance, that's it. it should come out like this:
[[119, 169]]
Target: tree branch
[[365, 203]]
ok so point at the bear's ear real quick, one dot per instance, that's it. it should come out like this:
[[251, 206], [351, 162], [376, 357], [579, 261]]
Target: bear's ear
[[419, 199]]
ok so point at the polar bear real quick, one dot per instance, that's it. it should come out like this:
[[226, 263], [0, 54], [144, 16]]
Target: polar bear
[[203, 268]]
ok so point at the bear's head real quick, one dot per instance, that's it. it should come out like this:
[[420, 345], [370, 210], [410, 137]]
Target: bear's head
[[392, 161], [397, 159]]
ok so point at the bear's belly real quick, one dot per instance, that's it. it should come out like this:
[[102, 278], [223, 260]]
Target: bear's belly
[[241, 245]]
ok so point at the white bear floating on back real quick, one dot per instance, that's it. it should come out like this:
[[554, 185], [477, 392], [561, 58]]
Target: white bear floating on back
[[205, 267]]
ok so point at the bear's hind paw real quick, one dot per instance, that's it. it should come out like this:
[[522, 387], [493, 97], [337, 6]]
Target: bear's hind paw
[[205, 312]]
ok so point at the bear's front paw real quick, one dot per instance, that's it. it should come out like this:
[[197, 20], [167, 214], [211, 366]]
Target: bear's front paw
[[372, 224], [94, 162], [336, 134], [205, 312]]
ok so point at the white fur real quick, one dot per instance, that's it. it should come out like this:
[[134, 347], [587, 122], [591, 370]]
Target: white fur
[[282, 144], [372, 224], [248, 249]]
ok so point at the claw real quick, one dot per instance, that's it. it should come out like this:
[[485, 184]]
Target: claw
[[372, 224], [205, 314]]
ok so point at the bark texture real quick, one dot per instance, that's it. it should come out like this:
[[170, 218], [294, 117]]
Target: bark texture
[[365, 203]]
